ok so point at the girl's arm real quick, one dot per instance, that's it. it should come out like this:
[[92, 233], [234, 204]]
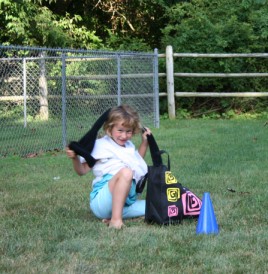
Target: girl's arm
[[144, 143], [80, 168]]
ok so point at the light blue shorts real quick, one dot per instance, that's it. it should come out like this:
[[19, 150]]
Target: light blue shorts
[[101, 203]]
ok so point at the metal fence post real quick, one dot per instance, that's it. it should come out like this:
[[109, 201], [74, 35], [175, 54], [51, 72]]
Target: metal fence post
[[118, 80], [24, 92], [170, 82], [63, 91], [156, 88]]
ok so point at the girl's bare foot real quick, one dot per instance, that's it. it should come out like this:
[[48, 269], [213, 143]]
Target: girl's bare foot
[[113, 224], [116, 225], [106, 221]]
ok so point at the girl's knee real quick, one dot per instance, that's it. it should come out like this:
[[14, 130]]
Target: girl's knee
[[123, 176], [127, 173]]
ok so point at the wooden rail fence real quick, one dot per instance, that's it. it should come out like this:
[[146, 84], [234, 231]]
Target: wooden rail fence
[[170, 74]]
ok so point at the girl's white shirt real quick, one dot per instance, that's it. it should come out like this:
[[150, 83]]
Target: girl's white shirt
[[112, 157]]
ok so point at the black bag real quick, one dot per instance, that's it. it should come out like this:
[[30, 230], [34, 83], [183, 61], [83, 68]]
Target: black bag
[[167, 201]]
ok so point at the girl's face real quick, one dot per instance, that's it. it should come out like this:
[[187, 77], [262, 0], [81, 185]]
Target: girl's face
[[121, 134]]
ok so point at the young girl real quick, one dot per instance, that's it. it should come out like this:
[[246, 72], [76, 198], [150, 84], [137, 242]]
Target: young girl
[[118, 168]]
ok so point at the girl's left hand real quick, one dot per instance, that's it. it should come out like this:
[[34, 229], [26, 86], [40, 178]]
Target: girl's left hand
[[146, 132]]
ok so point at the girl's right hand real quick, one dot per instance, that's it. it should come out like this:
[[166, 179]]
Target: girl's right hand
[[70, 153]]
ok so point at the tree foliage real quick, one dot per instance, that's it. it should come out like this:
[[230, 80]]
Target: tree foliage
[[218, 26], [205, 26], [29, 23], [190, 26]]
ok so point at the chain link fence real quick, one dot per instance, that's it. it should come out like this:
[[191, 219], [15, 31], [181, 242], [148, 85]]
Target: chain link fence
[[49, 97]]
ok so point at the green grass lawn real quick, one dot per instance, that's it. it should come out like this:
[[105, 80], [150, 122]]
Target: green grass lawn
[[46, 226]]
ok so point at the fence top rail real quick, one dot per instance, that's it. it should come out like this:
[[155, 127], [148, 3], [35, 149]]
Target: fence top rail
[[76, 51], [217, 55]]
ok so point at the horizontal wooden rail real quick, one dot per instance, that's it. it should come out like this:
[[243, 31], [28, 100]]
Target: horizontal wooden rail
[[216, 94], [221, 75], [215, 75], [221, 94], [217, 55]]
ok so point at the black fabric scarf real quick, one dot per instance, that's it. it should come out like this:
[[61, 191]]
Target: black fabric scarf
[[86, 144]]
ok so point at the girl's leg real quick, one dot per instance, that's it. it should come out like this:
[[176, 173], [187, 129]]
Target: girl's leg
[[102, 205], [135, 210], [119, 186]]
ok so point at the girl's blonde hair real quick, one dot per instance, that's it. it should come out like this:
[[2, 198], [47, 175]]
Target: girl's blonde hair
[[125, 114]]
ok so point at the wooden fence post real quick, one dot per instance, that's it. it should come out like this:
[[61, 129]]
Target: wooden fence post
[[170, 82]]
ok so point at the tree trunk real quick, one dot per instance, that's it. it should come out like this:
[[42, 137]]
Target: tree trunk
[[43, 91]]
